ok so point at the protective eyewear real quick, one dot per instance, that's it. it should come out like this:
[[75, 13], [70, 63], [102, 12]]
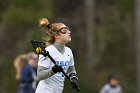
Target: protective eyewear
[[64, 30]]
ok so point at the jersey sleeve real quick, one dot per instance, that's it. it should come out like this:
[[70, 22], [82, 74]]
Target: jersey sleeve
[[71, 59]]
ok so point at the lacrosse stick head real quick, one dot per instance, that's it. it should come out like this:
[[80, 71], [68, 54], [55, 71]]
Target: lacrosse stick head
[[39, 47]]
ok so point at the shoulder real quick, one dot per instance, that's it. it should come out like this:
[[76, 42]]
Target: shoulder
[[28, 67], [49, 48], [106, 86], [119, 87], [68, 49]]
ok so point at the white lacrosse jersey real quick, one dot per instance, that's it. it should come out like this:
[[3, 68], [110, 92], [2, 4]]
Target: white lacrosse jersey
[[65, 60]]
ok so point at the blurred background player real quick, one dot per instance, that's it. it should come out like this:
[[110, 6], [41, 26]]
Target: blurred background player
[[50, 76], [25, 73], [112, 85], [32, 61]]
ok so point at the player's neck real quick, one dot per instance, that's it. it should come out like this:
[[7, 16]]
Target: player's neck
[[59, 47]]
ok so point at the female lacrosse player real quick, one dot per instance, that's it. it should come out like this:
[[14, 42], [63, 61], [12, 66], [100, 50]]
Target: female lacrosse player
[[25, 73], [50, 75]]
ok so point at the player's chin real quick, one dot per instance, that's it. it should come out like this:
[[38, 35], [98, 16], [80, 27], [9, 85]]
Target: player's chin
[[69, 40]]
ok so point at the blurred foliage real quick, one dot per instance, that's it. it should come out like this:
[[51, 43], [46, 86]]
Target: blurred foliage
[[19, 24], [29, 12]]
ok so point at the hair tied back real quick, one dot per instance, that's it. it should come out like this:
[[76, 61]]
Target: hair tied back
[[49, 26]]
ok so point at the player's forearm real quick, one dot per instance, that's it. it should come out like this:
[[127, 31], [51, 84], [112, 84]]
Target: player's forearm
[[71, 69], [71, 72], [44, 73]]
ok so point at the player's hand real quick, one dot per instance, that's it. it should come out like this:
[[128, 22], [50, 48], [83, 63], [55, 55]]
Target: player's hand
[[57, 68], [74, 83]]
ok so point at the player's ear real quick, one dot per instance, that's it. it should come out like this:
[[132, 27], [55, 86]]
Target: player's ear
[[57, 36]]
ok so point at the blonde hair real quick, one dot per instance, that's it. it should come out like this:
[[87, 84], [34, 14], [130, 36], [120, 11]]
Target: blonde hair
[[51, 30], [30, 54], [19, 62]]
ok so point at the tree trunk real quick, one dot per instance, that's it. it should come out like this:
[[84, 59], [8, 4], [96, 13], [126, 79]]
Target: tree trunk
[[89, 16], [137, 28], [89, 24]]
